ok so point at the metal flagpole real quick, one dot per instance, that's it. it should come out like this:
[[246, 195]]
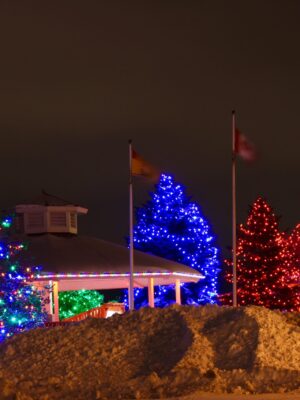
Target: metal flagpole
[[131, 287], [234, 292]]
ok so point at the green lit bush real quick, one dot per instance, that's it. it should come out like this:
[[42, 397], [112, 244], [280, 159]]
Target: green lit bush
[[77, 301]]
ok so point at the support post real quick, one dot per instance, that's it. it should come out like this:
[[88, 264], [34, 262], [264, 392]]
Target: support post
[[50, 283], [131, 261], [47, 296], [56, 302], [178, 292], [151, 292], [234, 278]]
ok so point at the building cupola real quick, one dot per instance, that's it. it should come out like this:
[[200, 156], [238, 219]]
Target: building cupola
[[47, 214]]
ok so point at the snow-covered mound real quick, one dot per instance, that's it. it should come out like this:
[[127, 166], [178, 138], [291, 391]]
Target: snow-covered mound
[[155, 353]]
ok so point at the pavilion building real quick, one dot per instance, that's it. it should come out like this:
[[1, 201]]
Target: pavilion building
[[70, 261]]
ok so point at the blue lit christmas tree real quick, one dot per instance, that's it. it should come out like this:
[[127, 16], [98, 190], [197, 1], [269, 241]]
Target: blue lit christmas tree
[[171, 226], [21, 306]]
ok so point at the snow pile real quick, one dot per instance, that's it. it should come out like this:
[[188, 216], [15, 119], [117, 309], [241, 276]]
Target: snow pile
[[155, 353]]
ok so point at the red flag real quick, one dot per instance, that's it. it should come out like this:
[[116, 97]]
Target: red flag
[[243, 147]]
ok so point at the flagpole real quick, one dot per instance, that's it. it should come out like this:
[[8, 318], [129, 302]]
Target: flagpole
[[131, 287], [234, 280]]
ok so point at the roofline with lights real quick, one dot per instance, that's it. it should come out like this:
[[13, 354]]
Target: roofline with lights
[[115, 275]]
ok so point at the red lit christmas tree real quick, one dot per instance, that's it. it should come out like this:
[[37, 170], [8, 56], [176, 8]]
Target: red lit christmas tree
[[262, 272], [291, 255]]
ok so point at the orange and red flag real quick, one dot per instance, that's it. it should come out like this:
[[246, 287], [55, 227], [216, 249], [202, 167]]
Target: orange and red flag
[[140, 167]]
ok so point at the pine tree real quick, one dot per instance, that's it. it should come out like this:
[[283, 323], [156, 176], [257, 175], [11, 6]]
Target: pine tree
[[261, 269], [74, 302], [21, 305], [169, 225], [291, 256]]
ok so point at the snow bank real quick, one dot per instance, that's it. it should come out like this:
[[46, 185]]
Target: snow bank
[[155, 353]]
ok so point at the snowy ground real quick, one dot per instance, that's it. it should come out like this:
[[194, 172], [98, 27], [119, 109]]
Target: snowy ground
[[213, 396], [158, 353]]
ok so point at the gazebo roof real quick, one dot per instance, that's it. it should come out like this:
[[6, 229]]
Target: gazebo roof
[[99, 264], [46, 199]]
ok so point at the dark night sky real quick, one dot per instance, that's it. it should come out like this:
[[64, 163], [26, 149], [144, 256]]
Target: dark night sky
[[79, 78]]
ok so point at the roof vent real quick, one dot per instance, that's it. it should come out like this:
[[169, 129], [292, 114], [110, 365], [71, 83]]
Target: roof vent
[[48, 214]]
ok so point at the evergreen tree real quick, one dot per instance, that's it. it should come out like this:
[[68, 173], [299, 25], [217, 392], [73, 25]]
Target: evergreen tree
[[291, 255], [261, 269], [74, 302], [169, 225], [21, 306]]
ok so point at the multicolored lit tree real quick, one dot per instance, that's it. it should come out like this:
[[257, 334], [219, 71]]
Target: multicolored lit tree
[[261, 267], [21, 305], [77, 301], [171, 226]]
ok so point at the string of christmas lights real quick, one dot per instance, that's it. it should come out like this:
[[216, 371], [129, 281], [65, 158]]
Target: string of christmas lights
[[291, 256], [262, 267], [21, 305], [173, 227], [77, 301]]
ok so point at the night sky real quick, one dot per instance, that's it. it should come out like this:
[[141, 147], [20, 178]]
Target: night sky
[[79, 78]]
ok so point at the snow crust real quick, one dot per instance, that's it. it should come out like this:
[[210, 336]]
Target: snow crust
[[156, 353]]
